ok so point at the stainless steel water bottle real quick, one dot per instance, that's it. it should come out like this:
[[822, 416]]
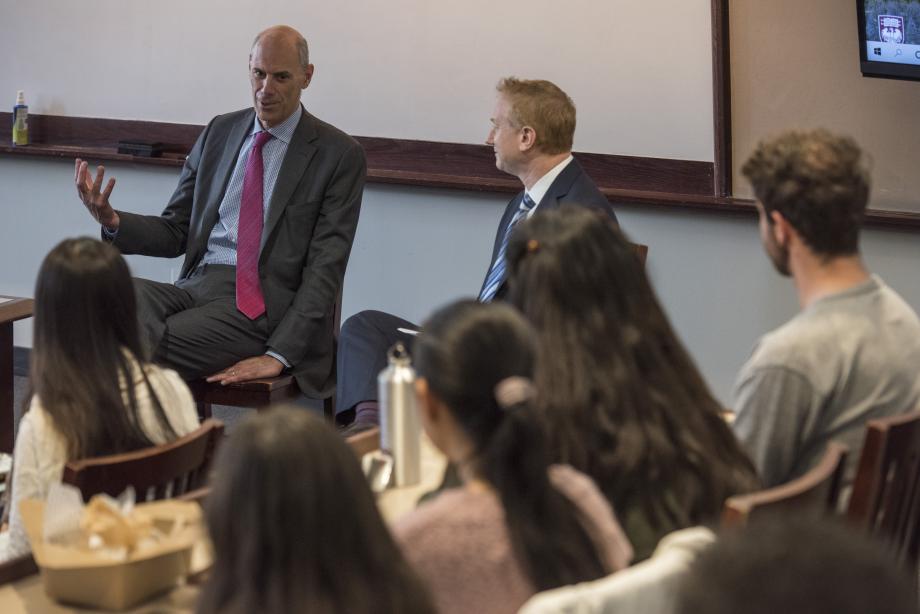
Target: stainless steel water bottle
[[400, 429]]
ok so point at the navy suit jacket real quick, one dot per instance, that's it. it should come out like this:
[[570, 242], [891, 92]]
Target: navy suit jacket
[[572, 187]]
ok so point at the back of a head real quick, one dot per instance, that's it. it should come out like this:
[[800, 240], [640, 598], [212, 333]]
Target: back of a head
[[465, 350], [574, 261], [295, 527], [84, 300], [543, 106], [478, 359], [796, 567], [818, 181], [624, 397], [85, 327]]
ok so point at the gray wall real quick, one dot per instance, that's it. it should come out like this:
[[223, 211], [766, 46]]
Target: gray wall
[[418, 248]]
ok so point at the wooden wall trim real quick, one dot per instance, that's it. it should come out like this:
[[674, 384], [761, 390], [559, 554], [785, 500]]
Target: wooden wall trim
[[625, 180], [59, 136], [721, 98], [455, 165], [473, 167], [875, 218]]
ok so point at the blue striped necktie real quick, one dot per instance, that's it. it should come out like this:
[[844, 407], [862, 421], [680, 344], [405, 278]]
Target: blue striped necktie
[[497, 272]]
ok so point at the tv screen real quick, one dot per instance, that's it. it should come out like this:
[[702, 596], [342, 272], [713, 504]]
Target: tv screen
[[889, 36]]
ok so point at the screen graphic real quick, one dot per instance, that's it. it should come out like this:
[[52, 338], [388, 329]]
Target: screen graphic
[[893, 31]]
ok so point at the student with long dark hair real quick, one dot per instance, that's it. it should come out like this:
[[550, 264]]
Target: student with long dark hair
[[296, 529], [620, 396], [93, 394], [517, 525]]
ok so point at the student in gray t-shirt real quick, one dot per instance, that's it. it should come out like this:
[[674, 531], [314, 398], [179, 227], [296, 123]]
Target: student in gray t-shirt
[[853, 353]]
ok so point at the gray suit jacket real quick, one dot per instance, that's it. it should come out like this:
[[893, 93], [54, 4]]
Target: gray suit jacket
[[306, 240], [572, 186]]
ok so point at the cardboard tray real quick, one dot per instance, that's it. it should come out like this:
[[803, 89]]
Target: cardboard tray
[[84, 578]]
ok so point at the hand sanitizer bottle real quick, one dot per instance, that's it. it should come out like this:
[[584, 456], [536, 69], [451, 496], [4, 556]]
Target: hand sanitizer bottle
[[20, 120]]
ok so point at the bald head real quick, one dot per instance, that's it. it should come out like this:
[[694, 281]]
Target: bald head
[[285, 35]]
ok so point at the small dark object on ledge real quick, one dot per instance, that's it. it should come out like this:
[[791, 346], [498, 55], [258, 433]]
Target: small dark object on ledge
[[147, 149]]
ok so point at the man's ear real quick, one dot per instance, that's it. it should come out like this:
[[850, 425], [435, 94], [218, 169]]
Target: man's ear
[[780, 227], [527, 139], [308, 76]]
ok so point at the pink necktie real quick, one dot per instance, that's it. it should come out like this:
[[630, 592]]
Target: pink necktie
[[249, 297]]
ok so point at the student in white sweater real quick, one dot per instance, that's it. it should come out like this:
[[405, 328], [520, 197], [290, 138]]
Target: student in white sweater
[[93, 394]]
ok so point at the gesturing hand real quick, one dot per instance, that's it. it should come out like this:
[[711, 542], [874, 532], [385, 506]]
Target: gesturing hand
[[247, 369], [95, 199]]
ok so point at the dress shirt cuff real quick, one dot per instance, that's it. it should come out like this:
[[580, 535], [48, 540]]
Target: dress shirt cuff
[[279, 358], [109, 234]]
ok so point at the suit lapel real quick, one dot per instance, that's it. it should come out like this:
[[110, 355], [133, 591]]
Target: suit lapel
[[561, 186], [223, 169], [299, 153], [510, 210], [556, 192]]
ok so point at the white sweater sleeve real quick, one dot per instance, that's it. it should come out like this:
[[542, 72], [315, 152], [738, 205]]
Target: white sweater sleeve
[[35, 468], [176, 400], [179, 405]]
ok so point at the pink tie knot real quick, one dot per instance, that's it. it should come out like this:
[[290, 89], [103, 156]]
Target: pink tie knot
[[261, 138]]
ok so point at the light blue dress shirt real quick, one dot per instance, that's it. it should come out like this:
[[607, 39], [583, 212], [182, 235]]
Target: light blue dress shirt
[[222, 242]]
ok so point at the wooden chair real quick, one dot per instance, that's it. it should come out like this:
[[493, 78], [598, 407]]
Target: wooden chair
[[886, 492], [641, 252], [171, 469], [199, 495], [365, 441], [16, 569], [814, 493], [261, 393], [362, 443], [257, 393]]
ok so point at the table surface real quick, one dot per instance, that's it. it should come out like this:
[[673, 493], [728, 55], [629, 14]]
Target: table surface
[[27, 596], [14, 308]]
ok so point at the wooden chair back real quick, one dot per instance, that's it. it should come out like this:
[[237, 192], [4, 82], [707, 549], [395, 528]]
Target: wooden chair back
[[361, 444], [641, 252], [17, 569], [199, 495], [167, 470], [814, 493], [364, 442], [886, 490]]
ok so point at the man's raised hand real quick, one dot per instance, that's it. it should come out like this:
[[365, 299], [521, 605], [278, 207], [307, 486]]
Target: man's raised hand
[[94, 197]]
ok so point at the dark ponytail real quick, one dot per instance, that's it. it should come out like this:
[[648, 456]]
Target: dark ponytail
[[472, 353]]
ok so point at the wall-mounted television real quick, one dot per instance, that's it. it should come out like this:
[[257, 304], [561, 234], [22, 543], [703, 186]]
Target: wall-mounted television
[[889, 38]]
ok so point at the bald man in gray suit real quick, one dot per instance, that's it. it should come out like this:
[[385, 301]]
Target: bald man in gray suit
[[311, 177]]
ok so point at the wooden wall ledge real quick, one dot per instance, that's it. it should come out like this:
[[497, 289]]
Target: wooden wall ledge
[[93, 153], [626, 180]]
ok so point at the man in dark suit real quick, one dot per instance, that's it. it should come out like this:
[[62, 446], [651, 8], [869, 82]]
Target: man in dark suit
[[265, 213], [533, 127]]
